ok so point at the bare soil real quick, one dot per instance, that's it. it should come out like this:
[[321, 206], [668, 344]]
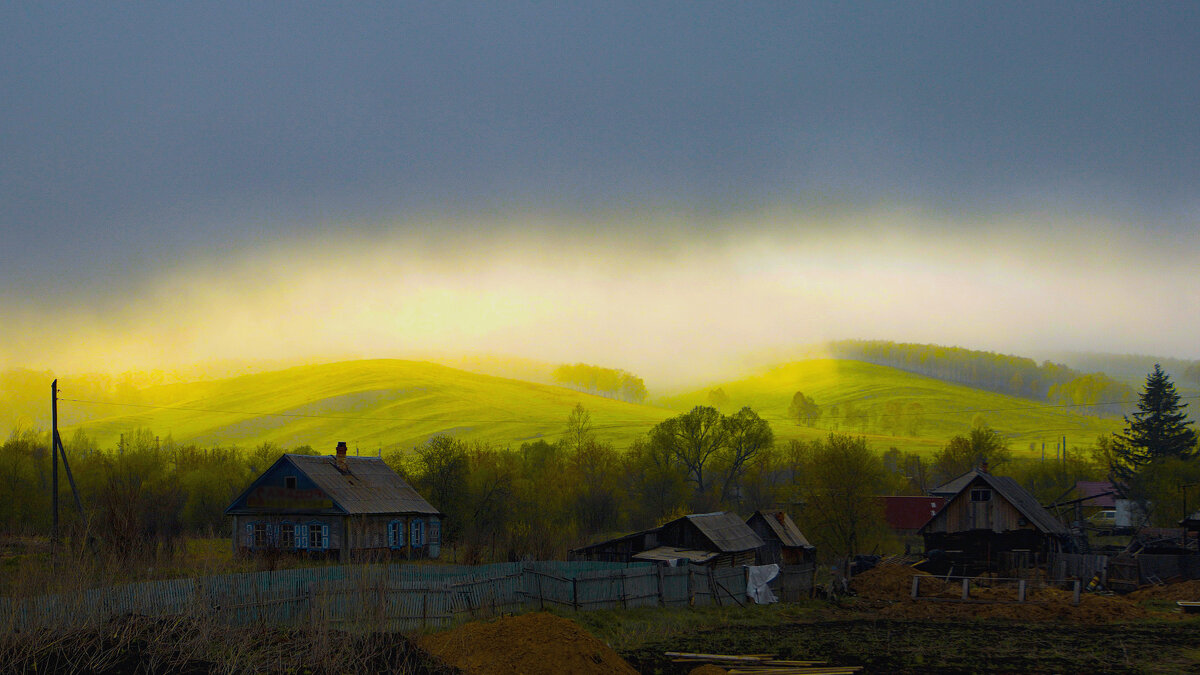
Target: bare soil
[[530, 644]]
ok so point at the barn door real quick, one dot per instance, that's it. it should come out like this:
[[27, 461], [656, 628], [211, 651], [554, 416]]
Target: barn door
[[980, 509]]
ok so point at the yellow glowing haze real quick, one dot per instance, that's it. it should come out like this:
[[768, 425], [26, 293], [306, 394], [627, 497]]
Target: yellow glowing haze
[[672, 301]]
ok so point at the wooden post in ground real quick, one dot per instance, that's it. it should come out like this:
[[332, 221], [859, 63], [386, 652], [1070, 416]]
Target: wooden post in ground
[[1021, 591], [1075, 595], [662, 599], [916, 586], [575, 593], [966, 591]]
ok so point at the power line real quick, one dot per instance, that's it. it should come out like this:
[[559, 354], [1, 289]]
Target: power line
[[610, 423]]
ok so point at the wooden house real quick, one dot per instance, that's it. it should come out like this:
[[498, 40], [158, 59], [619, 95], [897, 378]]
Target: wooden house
[[783, 543], [991, 519], [717, 539], [336, 506]]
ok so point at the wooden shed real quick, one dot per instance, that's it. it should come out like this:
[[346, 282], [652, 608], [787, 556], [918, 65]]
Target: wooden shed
[[991, 517], [336, 506], [783, 543], [717, 539]]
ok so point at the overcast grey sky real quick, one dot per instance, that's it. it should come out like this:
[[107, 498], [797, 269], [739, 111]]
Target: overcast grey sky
[[144, 143]]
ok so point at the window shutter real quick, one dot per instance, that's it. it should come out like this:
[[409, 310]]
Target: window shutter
[[302, 536], [250, 533], [324, 536]]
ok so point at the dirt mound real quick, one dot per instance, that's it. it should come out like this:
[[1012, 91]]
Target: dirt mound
[[893, 585], [891, 582], [534, 644], [1184, 590]]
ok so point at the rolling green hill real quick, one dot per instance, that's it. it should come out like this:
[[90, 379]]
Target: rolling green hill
[[946, 409], [392, 404], [380, 404]]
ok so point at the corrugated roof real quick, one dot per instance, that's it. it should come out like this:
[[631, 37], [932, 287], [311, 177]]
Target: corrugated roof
[[726, 531], [785, 528], [1091, 488], [369, 486], [668, 553]]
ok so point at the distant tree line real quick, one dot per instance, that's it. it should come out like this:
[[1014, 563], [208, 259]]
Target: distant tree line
[[546, 496], [1002, 373], [607, 382]]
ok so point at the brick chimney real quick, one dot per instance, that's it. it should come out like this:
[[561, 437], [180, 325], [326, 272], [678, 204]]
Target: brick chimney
[[983, 467], [341, 457]]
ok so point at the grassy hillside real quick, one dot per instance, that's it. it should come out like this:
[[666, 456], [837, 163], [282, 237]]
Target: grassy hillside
[[948, 409], [391, 404], [377, 404]]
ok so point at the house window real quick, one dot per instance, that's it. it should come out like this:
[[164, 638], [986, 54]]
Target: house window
[[260, 535], [289, 482], [396, 534], [287, 536], [435, 531], [418, 532], [318, 536], [981, 495]]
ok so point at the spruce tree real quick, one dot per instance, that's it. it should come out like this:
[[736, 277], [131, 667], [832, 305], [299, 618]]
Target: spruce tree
[[1159, 429]]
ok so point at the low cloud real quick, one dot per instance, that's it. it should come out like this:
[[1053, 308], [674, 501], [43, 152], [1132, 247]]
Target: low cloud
[[672, 301]]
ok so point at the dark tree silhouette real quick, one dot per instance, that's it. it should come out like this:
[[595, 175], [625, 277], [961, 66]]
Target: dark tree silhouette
[[1158, 430]]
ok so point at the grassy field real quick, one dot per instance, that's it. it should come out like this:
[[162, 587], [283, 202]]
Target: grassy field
[[379, 404], [391, 404], [948, 409]]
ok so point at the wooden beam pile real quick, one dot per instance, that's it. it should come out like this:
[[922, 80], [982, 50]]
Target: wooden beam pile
[[762, 664]]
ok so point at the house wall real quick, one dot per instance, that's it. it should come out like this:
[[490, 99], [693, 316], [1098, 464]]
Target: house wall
[[964, 515], [350, 537], [243, 538]]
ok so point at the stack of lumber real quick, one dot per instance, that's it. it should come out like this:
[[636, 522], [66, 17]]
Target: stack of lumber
[[762, 664]]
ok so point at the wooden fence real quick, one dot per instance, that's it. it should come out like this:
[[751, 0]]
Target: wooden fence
[[402, 597]]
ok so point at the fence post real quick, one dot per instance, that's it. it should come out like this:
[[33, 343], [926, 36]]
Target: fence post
[[424, 607], [966, 593], [623, 605], [916, 586], [1075, 595], [662, 600], [1021, 591], [575, 593], [541, 598]]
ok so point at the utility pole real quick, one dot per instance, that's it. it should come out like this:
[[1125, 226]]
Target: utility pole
[[54, 470], [57, 449]]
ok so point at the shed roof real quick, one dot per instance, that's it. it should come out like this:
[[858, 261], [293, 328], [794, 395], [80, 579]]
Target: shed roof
[[1092, 488], [668, 553], [1019, 497], [784, 528], [725, 530]]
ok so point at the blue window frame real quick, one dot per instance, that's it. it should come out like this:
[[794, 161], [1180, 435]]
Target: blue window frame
[[418, 532], [396, 534]]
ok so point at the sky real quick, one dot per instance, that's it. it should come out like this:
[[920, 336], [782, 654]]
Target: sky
[[653, 186]]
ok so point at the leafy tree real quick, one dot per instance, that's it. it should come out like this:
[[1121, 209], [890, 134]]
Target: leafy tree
[[442, 478], [692, 439], [840, 482], [717, 398], [1158, 430], [747, 436], [804, 409], [966, 452]]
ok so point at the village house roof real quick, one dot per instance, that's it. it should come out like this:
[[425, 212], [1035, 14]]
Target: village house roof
[[1010, 490], [726, 531], [368, 486], [1096, 489], [784, 528]]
